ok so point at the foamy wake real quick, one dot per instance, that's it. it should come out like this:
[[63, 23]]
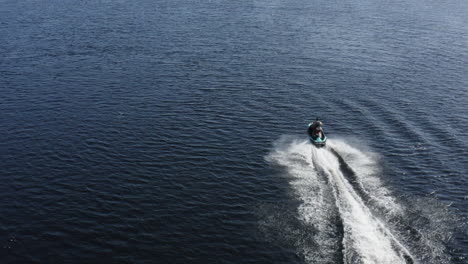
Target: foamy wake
[[346, 227]]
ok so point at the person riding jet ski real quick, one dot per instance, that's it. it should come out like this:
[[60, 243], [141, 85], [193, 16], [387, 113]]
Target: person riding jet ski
[[316, 133]]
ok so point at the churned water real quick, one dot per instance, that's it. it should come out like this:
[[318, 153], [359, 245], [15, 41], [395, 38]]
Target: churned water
[[174, 131]]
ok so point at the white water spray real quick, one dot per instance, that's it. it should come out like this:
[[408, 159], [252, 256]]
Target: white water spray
[[323, 189]]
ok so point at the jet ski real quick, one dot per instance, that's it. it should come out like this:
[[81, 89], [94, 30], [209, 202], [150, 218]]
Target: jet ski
[[316, 134]]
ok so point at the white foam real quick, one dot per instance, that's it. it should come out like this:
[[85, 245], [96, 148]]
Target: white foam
[[367, 170], [316, 205], [366, 239]]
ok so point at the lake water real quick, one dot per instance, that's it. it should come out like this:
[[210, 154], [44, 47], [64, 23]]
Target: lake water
[[173, 131]]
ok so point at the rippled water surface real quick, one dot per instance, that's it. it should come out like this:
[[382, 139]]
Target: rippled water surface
[[174, 131]]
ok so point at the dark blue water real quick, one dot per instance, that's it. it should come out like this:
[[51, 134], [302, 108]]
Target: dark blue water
[[174, 131]]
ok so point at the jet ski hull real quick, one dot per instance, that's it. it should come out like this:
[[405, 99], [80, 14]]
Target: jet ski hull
[[319, 143], [316, 134]]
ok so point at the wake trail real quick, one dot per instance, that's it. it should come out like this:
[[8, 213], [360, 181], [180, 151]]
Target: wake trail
[[351, 176], [366, 239], [334, 195]]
